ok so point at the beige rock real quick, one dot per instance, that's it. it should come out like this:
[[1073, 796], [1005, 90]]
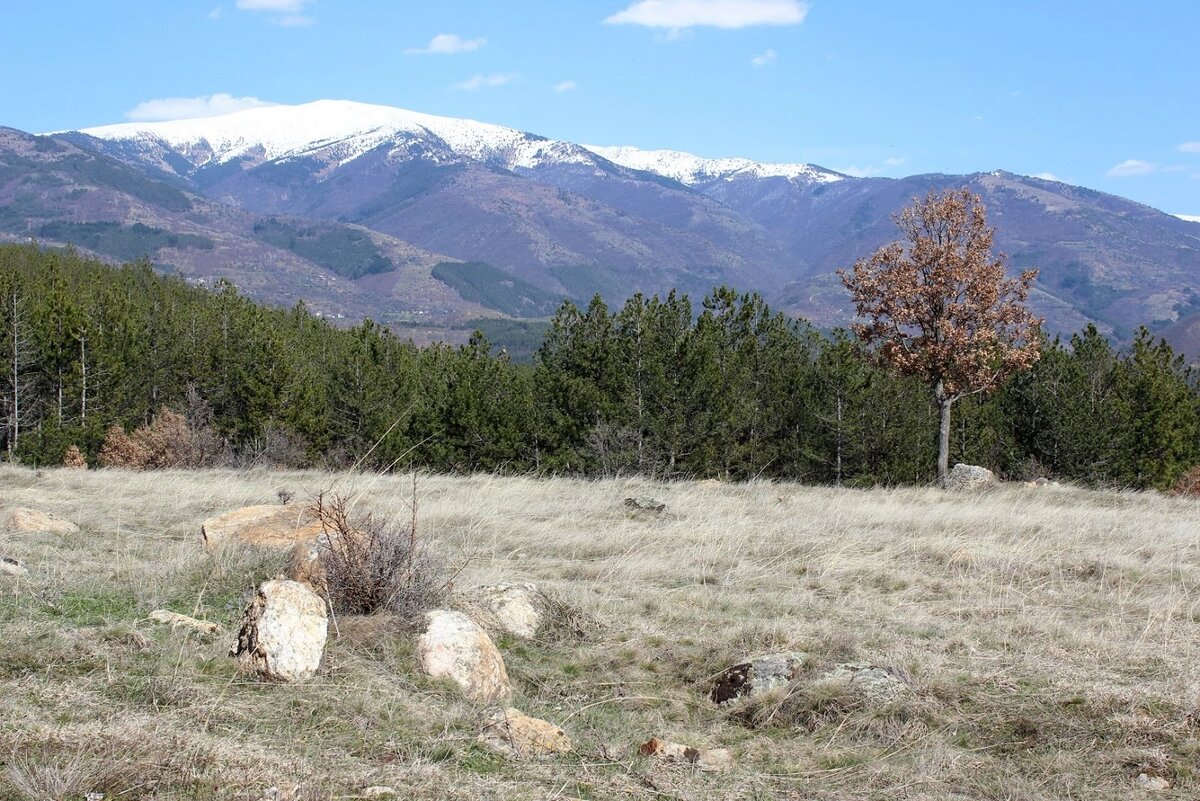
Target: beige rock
[[513, 732], [20, 518], [12, 567], [283, 631], [379, 791], [305, 564], [266, 526], [709, 483], [455, 647], [706, 759], [516, 609], [176, 620]]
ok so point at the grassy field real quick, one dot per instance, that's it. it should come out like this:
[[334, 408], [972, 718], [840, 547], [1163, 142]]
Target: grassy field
[[1049, 636]]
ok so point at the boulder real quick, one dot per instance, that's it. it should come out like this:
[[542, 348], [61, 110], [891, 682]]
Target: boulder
[[21, 519], [642, 504], [176, 620], [758, 675], [455, 647], [970, 477], [516, 734], [515, 609], [12, 567], [706, 759], [872, 683], [266, 526], [283, 631]]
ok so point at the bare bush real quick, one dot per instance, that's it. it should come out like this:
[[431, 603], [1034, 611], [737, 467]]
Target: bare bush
[[1189, 484], [169, 440], [122, 451], [372, 567], [74, 459]]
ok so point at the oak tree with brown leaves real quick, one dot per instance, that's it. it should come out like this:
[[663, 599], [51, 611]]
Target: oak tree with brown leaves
[[938, 306]]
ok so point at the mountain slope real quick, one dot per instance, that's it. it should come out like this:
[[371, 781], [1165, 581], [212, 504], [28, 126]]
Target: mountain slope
[[570, 219], [58, 193]]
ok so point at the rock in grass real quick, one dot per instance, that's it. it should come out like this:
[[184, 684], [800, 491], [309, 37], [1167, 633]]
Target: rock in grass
[[379, 791], [516, 734], [455, 647], [642, 504], [757, 675], [1152, 783], [970, 477], [12, 567], [706, 759], [874, 684], [176, 620], [266, 526], [21, 519], [517, 609], [283, 631]]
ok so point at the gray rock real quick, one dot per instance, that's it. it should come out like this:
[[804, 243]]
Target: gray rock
[[515, 609], [874, 684], [455, 647], [758, 675], [12, 567], [970, 477], [643, 504]]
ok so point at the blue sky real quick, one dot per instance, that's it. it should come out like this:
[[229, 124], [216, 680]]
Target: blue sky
[[1103, 94]]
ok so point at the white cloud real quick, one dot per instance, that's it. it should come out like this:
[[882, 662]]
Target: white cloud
[[859, 172], [480, 81], [288, 13], [1130, 168], [894, 161], [565, 86], [182, 108], [216, 13], [1046, 176], [1189, 217], [1190, 147], [447, 44], [764, 58], [678, 14]]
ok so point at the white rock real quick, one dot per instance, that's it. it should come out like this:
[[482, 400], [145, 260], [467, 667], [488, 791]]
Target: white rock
[[283, 631], [757, 675], [1152, 783], [455, 647], [266, 526], [514, 733], [12, 567], [516, 609], [706, 759], [873, 683], [970, 477]]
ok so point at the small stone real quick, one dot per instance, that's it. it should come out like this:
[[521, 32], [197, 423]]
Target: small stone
[[709, 483], [643, 504], [379, 791], [12, 567], [970, 477], [514, 733], [1152, 783], [176, 620], [758, 675], [20, 519], [265, 526], [455, 647], [706, 759], [305, 564], [516, 609], [283, 631]]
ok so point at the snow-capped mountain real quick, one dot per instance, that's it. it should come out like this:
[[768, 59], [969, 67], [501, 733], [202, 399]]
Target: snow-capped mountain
[[690, 170], [568, 219], [340, 131]]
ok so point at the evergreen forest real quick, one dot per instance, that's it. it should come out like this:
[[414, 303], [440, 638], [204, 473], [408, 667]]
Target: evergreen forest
[[663, 387]]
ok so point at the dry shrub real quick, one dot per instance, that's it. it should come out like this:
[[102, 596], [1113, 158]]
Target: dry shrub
[[372, 567], [1189, 484], [54, 777], [167, 441], [74, 458]]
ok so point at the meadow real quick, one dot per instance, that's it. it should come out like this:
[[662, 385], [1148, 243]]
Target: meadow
[[1047, 638]]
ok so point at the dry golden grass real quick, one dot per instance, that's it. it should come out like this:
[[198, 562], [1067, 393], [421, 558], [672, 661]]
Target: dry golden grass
[[1050, 637]]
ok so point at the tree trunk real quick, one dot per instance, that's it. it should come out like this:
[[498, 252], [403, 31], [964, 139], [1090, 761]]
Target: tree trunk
[[944, 403]]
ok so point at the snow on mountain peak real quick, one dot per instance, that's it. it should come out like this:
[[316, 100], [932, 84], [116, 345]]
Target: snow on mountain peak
[[275, 132], [342, 130], [689, 169]]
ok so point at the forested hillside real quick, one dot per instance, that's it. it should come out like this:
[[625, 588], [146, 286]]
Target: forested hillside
[[727, 388]]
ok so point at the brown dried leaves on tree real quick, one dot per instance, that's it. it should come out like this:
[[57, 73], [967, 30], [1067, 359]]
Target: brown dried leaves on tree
[[938, 305]]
